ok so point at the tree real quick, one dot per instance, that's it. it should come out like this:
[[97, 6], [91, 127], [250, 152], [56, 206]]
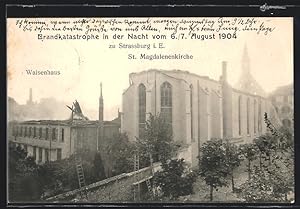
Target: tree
[[282, 181], [23, 182], [233, 159], [61, 175], [274, 180], [213, 164], [266, 144], [175, 179], [258, 188], [157, 141], [98, 167], [249, 152], [120, 151], [272, 183]]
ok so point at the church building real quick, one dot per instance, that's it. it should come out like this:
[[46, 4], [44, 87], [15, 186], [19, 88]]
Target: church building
[[197, 107]]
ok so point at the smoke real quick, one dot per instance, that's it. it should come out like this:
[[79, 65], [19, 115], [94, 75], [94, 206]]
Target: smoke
[[46, 109], [52, 109]]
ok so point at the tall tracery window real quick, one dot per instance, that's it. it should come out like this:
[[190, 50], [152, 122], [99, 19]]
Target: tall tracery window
[[254, 116], [240, 115], [166, 102], [142, 109], [259, 117], [248, 116], [191, 106]]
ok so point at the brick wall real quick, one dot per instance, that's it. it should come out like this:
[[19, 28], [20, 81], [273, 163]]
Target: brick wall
[[115, 189]]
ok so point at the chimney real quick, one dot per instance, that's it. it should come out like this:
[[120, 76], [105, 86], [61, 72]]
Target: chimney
[[29, 101], [30, 94], [224, 71], [101, 105]]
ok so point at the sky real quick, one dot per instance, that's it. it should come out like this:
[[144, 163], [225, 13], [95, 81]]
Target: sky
[[84, 64]]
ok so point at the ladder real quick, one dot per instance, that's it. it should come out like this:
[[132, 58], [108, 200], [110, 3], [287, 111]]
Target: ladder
[[136, 189], [80, 174], [149, 188]]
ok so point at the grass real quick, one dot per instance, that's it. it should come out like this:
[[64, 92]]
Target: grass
[[222, 194]]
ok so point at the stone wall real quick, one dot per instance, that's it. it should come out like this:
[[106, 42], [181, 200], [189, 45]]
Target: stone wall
[[115, 189]]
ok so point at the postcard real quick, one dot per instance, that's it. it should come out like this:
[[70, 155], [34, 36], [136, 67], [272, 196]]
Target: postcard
[[150, 109]]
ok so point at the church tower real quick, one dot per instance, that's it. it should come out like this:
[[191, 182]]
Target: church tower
[[101, 105], [246, 82], [100, 129], [245, 62]]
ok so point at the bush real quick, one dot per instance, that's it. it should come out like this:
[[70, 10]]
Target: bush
[[24, 184], [175, 179]]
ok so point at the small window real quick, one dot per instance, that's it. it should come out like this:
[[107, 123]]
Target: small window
[[53, 134], [14, 131], [21, 131], [34, 132], [34, 153], [58, 154], [46, 155], [62, 135], [30, 131], [40, 132], [40, 154], [25, 131], [47, 134]]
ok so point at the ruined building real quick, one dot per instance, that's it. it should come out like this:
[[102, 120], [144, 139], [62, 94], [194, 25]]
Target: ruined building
[[283, 100], [197, 107], [50, 140]]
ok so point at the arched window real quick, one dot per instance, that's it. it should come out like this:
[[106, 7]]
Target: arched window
[[248, 116], [191, 106], [166, 102], [254, 116], [240, 115], [259, 117], [142, 109]]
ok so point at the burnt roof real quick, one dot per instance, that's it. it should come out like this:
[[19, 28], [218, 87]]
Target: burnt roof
[[68, 122]]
